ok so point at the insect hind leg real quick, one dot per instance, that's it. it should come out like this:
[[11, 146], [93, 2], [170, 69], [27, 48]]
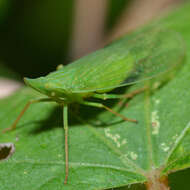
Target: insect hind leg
[[105, 96], [123, 97], [99, 105]]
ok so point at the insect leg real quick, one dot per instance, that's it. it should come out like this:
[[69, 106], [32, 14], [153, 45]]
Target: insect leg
[[131, 95], [105, 96], [24, 110], [65, 124], [99, 105]]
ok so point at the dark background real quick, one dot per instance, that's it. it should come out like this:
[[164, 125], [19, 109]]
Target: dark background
[[35, 35], [38, 35]]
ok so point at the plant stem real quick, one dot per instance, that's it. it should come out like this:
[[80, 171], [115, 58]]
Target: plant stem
[[157, 183]]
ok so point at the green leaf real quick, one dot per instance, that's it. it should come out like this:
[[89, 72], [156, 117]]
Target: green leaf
[[104, 152]]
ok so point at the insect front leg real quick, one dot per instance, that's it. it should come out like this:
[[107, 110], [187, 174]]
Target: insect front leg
[[99, 105], [66, 128], [24, 110]]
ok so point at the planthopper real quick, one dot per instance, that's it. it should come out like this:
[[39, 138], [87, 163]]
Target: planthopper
[[139, 56]]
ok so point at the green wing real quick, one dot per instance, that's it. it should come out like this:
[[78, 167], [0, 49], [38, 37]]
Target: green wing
[[139, 56]]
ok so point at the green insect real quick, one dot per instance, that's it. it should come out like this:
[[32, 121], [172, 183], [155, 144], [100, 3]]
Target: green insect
[[139, 56]]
